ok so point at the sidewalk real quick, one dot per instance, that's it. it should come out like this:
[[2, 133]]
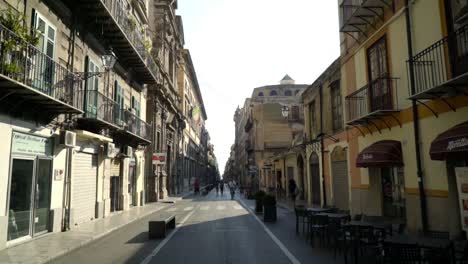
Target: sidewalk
[[285, 230], [53, 245], [289, 205]]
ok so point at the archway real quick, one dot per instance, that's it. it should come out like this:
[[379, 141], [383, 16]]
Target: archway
[[315, 178], [339, 171], [300, 170]]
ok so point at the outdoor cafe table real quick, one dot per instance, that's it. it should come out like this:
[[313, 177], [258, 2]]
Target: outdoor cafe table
[[385, 227], [336, 216], [317, 210]]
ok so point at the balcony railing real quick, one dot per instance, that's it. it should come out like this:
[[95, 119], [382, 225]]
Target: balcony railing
[[27, 67], [441, 69], [356, 15], [136, 126], [130, 29], [102, 108], [376, 98]]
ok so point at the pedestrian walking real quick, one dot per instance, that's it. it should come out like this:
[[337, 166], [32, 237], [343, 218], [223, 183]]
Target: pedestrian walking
[[232, 189], [217, 188], [221, 186], [197, 186], [292, 190]]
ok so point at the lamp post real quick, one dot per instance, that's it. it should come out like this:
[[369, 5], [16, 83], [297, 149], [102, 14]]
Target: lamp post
[[285, 111], [108, 61]]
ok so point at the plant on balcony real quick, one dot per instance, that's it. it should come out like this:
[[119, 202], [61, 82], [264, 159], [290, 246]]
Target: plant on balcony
[[14, 45], [132, 23], [269, 208], [147, 44], [259, 201]]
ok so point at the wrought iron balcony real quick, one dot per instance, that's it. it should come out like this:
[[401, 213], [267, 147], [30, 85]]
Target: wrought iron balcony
[[357, 15], [101, 110], [375, 100], [28, 76], [137, 127], [441, 70], [112, 22]]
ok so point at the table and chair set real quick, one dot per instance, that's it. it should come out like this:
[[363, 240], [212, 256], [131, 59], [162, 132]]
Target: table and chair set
[[375, 239]]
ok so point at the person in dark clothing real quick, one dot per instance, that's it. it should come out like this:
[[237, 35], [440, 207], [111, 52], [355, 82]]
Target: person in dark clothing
[[292, 189], [221, 186]]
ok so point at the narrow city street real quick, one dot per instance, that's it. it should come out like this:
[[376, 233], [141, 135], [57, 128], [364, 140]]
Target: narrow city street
[[210, 229]]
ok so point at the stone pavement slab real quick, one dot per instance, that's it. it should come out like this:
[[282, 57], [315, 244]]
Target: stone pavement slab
[[53, 245]]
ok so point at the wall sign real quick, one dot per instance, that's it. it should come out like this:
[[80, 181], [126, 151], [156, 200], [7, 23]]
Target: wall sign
[[462, 186], [159, 158], [31, 145]]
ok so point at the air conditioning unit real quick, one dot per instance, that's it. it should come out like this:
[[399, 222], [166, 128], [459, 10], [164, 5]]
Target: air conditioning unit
[[68, 138], [110, 150], [128, 151]]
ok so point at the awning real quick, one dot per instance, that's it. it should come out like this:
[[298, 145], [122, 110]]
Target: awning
[[385, 153], [454, 140]]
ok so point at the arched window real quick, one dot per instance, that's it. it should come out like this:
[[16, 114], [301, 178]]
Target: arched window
[[260, 94], [288, 93], [273, 93]]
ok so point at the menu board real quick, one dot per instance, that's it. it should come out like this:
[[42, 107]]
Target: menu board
[[462, 186]]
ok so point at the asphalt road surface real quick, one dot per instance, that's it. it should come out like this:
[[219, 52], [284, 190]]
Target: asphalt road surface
[[210, 229]]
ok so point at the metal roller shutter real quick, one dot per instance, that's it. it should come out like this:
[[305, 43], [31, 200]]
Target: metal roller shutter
[[340, 184], [84, 187]]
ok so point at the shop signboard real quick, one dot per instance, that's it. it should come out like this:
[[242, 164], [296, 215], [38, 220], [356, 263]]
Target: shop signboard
[[159, 158], [31, 145], [462, 186]]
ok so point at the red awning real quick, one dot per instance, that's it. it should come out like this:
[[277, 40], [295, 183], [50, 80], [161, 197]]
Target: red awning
[[385, 153], [454, 140]]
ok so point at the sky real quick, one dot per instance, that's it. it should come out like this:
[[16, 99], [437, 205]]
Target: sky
[[238, 45]]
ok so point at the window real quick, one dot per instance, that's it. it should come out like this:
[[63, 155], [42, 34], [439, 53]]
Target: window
[[44, 67], [135, 104], [312, 119], [337, 109], [296, 92], [260, 94], [273, 93], [119, 100], [288, 93], [92, 87], [378, 76], [295, 112]]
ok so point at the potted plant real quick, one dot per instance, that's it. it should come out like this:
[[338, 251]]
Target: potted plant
[[259, 201], [269, 208]]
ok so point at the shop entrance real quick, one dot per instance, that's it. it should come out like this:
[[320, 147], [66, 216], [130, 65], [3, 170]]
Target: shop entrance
[[132, 197], [393, 204], [29, 200]]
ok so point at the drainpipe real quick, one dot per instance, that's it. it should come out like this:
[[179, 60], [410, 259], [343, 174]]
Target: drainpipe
[[422, 195], [322, 149]]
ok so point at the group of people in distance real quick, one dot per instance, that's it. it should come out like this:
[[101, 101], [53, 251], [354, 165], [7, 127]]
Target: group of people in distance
[[232, 185]]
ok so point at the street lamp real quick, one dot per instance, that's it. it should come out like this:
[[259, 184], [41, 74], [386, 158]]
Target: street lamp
[[285, 111], [108, 60]]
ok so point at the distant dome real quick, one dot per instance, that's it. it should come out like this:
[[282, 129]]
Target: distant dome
[[287, 80]]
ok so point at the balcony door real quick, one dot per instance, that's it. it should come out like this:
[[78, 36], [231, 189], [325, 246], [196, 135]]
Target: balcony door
[[457, 16], [119, 100], [42, 64], [379, 87], [92, 88]]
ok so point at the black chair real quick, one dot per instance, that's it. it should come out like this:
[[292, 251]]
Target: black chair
[[401, 254], [318, 226], [301, 218]]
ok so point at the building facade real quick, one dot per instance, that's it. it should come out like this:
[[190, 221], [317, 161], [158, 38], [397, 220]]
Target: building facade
[[75, 141], [404, 94], [266, 126]]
